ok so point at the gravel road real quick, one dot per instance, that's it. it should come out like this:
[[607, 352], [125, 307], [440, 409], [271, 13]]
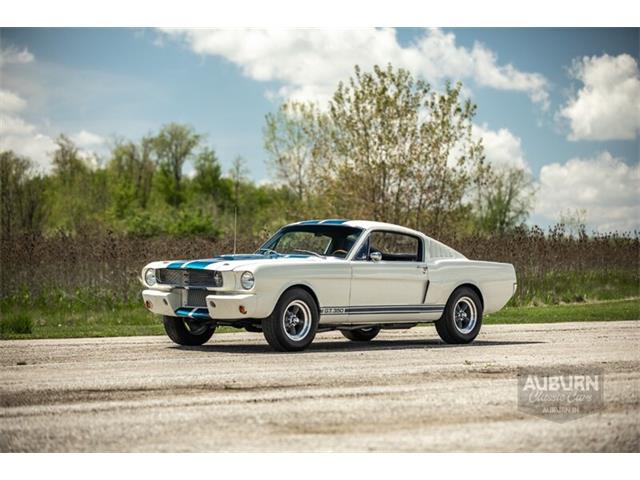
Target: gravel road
[[405, 391]]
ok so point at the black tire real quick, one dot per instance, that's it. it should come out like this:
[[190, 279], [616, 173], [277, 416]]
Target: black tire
[[463, 330], [301, 325], [184, 331], [362, 334]]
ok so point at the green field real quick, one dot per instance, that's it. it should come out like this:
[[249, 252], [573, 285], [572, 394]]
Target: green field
[[134, 320]]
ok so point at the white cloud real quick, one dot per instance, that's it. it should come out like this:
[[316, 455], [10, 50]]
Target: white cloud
[[605, 186], [607, 107], [85, 139], [10, 102], [501, 147], [310, 62], [13, 55]]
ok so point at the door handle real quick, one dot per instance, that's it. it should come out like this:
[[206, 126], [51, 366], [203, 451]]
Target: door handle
[[424, 268]]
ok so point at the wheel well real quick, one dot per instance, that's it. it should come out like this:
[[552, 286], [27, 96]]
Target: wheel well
[[472, 287], [307, 289]]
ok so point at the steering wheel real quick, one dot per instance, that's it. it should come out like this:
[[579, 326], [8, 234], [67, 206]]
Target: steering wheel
[[340, 251]]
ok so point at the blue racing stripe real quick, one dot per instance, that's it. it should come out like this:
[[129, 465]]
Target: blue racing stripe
[[177, 264]]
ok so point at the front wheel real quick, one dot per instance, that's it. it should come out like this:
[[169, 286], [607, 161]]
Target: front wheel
[[361, 334], [462, 317], [292, 325], [187, 331]]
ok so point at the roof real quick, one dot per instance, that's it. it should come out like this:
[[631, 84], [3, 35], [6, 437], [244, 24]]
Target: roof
[[366, 224]]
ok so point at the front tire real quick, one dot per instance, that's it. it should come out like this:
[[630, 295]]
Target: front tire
[[293, 324], [462, 317], [188, 332], [362, 334]]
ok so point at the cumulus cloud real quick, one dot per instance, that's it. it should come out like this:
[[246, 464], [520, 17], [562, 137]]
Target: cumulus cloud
[[310, 62], [85, 139], [10, 102], [604, 186], [502, 148], [607, 107], [13, 55]]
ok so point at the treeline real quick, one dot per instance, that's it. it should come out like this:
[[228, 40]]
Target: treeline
[[141, 189], [387, 148]]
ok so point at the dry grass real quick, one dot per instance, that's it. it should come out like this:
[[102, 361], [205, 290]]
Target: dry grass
[[94, 269]]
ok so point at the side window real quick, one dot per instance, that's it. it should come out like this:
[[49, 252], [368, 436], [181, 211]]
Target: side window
[[395, 246]]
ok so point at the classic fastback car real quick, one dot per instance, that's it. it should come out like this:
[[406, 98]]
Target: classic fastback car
[[354, 276]]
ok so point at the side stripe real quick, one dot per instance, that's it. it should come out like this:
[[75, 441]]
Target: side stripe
[[381, 309]]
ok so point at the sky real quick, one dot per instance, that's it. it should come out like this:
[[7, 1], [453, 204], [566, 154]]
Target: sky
[[563, 104]]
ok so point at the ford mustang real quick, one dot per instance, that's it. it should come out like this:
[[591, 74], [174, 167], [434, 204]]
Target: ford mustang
[[354, 276]]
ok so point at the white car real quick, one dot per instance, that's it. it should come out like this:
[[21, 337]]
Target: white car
[[351, 275]]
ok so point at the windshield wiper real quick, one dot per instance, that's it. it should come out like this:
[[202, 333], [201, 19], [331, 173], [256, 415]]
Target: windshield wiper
[[308, 251]]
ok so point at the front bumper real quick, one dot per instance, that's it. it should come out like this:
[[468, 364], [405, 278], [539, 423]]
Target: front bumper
[[218, 307]]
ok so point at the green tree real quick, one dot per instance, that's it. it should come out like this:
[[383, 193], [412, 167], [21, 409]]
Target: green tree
[[390, 149], [131, 170], [22, 206], [173, 146], [208, 175], [77, 193], [294, 140], [504, 200]]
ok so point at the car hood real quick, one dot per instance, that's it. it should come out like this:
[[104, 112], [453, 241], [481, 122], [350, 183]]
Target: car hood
[[232, 262]]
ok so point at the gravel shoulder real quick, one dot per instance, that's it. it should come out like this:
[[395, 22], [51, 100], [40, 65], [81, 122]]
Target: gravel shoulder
[[405, 391]]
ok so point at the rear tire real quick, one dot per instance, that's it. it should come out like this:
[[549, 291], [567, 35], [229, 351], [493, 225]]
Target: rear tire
[[293, 324], [184, 331], [462, 317], [362, 334]]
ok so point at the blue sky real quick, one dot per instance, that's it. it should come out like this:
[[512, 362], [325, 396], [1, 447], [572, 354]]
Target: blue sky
[[563, 103]]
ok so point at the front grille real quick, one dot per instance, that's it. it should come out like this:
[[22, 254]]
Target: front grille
[[196, 298], [170, 277], [190, 277]]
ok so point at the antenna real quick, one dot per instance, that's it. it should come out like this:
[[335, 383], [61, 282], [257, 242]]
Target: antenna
[[235, 227]]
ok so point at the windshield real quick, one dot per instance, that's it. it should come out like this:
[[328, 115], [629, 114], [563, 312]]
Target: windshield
[[319, 240]]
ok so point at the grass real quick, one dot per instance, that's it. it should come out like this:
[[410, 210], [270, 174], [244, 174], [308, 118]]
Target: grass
[[622, 309], [134, 320]]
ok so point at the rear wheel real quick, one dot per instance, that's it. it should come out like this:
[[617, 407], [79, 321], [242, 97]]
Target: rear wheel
[[187, 331], [361, 334], [462, 317], [292, 325]]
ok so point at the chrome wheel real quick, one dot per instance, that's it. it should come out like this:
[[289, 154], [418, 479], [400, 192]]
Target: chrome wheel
[[297, 320], [465, 315]]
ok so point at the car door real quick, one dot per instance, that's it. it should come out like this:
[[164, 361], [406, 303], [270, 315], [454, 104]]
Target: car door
[[389, 279]]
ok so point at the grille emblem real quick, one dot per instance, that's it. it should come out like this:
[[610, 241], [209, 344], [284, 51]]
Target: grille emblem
[[185, 277]]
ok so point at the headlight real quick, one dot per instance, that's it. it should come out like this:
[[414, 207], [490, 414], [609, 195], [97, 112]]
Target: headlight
[[247, 280], [150, 277]]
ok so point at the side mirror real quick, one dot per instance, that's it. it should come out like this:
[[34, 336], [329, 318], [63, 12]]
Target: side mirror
[[375, 256]]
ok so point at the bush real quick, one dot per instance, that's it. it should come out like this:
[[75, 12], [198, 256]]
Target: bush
[[19, 322]]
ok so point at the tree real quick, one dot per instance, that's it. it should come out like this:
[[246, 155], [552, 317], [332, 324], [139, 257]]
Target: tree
[[293, 138], [207, 179], [389, 149], [173, 146], [68, 164], [22, 208], [574, 221], [131, 172], [77, 195], [504, 200]]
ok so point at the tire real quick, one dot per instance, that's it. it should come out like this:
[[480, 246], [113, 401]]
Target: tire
[[464, 328], [185, 331], [362, 334], [293, 324]]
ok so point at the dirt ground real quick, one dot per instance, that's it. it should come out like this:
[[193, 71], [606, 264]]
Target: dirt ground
[[405, 391]]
